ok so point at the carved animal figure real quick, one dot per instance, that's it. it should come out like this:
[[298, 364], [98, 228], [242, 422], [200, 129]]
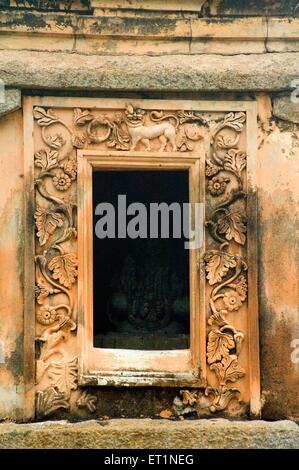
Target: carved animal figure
[[165, 131]]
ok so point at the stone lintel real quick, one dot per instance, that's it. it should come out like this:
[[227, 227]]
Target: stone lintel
[[201, 73]]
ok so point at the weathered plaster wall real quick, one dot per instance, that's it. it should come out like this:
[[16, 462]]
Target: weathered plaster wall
[[278, 268], [11, 272]]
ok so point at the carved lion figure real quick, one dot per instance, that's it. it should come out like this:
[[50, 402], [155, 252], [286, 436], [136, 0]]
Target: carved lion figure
[[166, 132]]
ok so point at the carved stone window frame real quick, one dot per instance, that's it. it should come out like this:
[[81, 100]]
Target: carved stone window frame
[[125, 367], [219, 340]]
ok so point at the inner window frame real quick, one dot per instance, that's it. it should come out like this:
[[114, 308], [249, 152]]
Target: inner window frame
[[124, 367]]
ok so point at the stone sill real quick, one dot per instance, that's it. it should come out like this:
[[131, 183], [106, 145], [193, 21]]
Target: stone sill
[[150, 434]]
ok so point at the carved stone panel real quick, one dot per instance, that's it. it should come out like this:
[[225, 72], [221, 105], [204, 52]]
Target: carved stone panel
[[220, 135]]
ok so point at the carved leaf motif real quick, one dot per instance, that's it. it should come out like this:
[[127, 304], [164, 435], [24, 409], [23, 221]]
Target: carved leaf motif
[[118, 138], [44, 118], [82, 117], [88, 401], [63, 375], [219, 345], [233, 370], [64, 268], [225, 141], [222, 397], [232, 224], [228, 370], [235, 120], [46, 221], [46, 159], [235, 160], [49, 401], [189, 116], [218, 264], [219, 371], [55, 141], [189, 397]]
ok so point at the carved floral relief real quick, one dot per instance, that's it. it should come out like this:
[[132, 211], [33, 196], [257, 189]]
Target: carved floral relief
[[225, 263], [133, 129]]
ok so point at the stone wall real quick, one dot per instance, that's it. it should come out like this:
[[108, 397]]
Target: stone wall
[[208, 50]]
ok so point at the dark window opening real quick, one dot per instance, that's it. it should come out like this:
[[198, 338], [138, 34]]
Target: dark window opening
[[141, 286]]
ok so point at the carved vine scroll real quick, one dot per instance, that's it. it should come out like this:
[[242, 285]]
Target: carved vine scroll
[[133, 128], [225, 264], [56, 265]]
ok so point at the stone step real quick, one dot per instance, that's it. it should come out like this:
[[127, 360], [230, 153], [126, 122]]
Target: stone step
[[151, 434]]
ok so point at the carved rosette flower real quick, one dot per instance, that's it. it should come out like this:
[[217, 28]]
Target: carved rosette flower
[[217, 185], [232, 300], [61, 181], [46, 315]]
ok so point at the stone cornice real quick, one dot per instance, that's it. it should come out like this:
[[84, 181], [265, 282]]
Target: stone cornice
[[47, 5], [200, 73], [143, 35], [136, 6], [201, 7], [204, 8]]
